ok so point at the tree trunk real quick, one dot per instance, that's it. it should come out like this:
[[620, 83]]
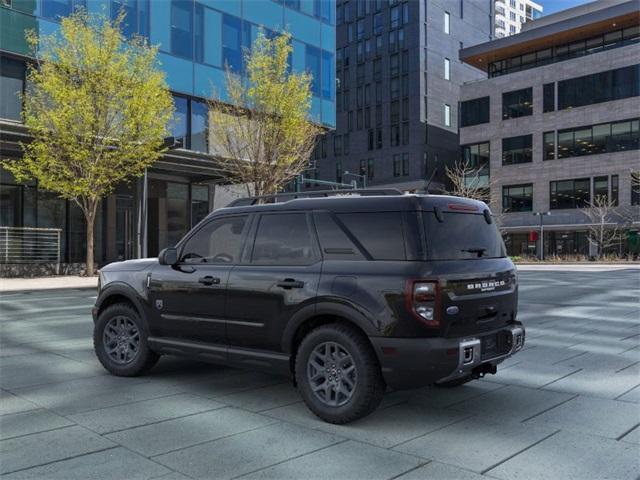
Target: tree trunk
[[90, 269], [90, 217]]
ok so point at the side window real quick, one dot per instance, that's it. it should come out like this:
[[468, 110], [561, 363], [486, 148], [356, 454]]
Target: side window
[[334, 242], [283, 239], [380, 233], [217, 242]]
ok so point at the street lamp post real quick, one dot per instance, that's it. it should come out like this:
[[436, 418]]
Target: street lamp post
[[362, 177], [541, 215]]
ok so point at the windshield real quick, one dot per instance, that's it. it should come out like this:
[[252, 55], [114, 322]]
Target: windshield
[[462, 236]]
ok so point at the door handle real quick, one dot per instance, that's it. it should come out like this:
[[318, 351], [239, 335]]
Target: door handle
[[289, 283], [209, 280]]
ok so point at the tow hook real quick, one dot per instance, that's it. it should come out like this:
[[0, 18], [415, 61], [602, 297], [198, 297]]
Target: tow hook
[[482, 370]]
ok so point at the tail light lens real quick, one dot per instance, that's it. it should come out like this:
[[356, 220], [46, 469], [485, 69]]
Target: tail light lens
[[423, 299]]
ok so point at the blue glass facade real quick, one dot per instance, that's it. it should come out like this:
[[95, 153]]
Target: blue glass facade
[[197, 38]]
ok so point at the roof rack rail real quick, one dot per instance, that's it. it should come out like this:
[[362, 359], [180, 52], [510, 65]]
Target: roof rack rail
[[285, 197]]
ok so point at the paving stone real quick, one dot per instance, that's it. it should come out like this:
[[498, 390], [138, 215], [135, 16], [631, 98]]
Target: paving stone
[[266, 398], [440, 471], [512, 403], [136, 414], [633, 436], [540, 354], [631, 396], [242, 381], [112, 464], [33, 421], [350, 460], [40, 448], [42, 368], [598, 362], [246, 452], [484, 444], [571, 456], [533, 375], [385, 427], [10, 403], [596, 383], [183, 432], [596, 416], [444, 397]]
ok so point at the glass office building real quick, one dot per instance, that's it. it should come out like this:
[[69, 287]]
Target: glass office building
[[197, 40]]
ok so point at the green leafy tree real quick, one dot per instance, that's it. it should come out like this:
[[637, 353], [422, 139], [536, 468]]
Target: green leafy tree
[[97, 107], [261, 131]]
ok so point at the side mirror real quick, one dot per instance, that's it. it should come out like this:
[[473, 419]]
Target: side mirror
[[168, 256]]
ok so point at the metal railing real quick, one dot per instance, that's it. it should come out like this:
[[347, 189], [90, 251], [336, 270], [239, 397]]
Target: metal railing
[[30, 245]]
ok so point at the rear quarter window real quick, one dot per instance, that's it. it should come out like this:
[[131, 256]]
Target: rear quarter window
[[462, 236], [379, 233]]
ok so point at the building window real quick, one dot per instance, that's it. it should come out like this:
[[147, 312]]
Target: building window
[[56, 9], [199, 126], [615, 190], [477, 156], [395, 135], [474, 112], [339, 172], [370, 169], [136, 20], [328, 75], [312, 62], [599, 87], [549, 97], [559, 53], [447, 69], [570, 193], [549, 145], [231, 42], [179, 125], [337, 145], [447, 115], [447, 23], [601, 188], [517, 103], [396, 166], [377, 24], [12, 78], [517, 198], [378, 139], [405, 164], [394, 16], [516, 150], [602, 138], [182, 28]]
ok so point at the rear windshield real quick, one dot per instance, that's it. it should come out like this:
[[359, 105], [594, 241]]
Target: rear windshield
[[462, 236]]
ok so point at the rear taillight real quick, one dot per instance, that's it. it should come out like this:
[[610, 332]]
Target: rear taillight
[[423, 300]]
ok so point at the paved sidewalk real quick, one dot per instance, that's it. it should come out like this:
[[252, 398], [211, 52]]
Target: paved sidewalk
[[567, 407], [47, 283]]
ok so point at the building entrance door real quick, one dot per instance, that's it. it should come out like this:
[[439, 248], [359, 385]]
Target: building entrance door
[[124, 227]]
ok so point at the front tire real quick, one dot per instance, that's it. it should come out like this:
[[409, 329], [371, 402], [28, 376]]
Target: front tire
[[120, 341], [338, 374]]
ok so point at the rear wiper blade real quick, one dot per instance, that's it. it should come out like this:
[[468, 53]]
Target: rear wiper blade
[[479, 250]]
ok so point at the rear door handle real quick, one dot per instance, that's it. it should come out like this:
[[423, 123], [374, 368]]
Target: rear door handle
[[209, 280], [289, 283]]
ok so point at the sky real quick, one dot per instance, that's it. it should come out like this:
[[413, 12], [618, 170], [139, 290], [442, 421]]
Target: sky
[[552, 6]]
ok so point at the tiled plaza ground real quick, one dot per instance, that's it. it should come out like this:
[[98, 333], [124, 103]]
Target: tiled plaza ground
[[566, 407]]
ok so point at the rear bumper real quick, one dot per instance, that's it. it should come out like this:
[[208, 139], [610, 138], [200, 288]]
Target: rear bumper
[[417, 362]]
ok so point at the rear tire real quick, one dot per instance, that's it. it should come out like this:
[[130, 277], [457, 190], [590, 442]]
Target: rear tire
[[338, 374], [120, 341]]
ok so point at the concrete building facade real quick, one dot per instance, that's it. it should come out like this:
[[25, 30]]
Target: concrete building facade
[[561, 124], [398, 86]]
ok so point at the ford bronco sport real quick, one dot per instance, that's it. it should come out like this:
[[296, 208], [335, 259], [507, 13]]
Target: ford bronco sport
[[350, 295]]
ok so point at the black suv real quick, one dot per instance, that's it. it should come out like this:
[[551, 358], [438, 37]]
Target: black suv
[[349, 295]]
